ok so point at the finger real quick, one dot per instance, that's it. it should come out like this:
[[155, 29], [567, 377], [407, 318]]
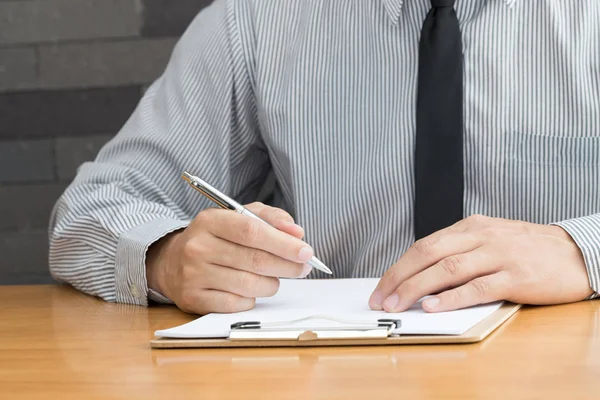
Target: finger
[[449, 272], [268, 213], [481, 290], [422, 254], [250, 232], [289, 228], [277, 217], [242, 283], [258, 262], [207, 301]]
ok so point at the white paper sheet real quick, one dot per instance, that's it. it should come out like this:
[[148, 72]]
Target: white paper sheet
[[345, 299]]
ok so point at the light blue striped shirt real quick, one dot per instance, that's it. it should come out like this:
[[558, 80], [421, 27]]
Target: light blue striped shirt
[[322, 94]]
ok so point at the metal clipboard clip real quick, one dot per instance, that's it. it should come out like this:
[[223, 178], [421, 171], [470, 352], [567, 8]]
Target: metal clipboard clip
[[285, 330]]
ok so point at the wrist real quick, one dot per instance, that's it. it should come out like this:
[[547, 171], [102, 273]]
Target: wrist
[[561, 233], [158, 260]]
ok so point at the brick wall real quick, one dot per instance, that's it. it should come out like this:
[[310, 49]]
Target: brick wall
[[71, 73]]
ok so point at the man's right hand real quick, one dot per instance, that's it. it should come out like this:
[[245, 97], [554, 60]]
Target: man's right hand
[[224, 260]]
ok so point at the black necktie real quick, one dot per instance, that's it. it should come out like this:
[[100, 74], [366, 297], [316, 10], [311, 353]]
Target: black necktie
[[439, 144]]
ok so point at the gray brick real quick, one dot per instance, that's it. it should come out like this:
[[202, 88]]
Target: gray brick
[[164, 18], [27, 161], [17, 68], [27, 207], [66, 112], [72, 152], [37, 21], [24, 258], [103, 63]]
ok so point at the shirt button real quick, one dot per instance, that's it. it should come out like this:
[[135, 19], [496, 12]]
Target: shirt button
[[134, 291]]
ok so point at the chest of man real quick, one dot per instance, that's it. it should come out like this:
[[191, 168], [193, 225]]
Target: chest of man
[[336, 95]]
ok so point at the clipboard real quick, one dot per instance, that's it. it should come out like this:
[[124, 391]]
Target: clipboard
[[257, 334]]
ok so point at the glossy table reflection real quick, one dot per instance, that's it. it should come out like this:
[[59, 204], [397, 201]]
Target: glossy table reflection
[[56, 343]]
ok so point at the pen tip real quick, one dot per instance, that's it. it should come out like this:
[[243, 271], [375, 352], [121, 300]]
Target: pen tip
[[320, 266]]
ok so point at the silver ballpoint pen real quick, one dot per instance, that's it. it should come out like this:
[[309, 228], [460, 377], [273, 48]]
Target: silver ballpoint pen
[[228, 203]]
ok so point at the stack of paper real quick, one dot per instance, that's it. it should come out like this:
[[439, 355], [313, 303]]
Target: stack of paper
[[344, 299]]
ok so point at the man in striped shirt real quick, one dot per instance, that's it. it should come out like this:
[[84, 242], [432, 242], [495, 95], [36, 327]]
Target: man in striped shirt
[[322, 94]]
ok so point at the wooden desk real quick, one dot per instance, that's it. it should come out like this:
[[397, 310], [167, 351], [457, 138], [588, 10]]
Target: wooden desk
[[58, 344]]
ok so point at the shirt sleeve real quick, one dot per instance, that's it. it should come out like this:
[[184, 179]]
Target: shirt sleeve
[[198, 116], [585, 231]]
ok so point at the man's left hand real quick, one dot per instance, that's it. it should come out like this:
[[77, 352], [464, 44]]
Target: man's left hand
[[480, 260]]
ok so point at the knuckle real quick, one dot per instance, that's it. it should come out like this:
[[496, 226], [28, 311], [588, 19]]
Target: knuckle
[[391, 275], [408, 287], [476, 219], [489, 232], [524, 229], [451, 265], [453, 296], [280, 214], [201, 217], [193, 249], [425, 247], [480, 286], [250, 231], [249, 282], [460, 227], [206, 215], [256, 207], [258, 262], [272, 214]]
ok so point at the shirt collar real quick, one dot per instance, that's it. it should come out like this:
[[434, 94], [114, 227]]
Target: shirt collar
[[394, 7]]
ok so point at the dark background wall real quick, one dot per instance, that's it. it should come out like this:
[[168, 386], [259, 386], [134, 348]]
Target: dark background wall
[[71, 73]]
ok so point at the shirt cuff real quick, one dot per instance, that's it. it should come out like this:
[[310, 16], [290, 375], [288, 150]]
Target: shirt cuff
[[130, 261], [585, 231]]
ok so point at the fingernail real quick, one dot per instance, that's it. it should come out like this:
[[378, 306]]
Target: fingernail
[[305, 254], [305, 271], [376, 299], [431, 303], [391, 302]]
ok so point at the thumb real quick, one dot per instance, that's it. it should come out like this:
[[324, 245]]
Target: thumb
[[278, 218]]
